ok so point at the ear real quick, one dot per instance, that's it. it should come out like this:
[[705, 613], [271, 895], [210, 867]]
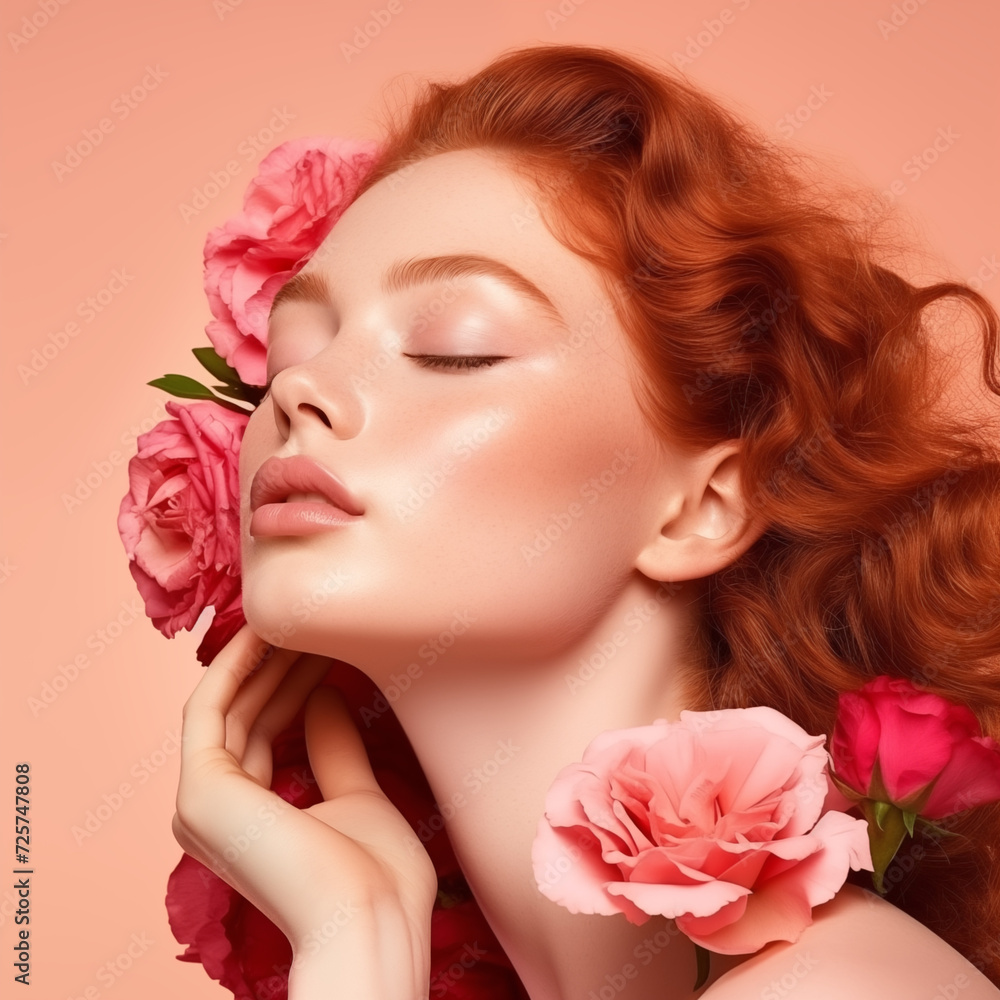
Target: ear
[[702, 525]]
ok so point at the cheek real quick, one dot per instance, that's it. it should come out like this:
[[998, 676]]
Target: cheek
[[575, 452], [260, 440], [530, 534], [552, 477], [250, 449]]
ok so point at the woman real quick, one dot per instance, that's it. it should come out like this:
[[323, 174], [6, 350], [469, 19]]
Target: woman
[[673, 410]]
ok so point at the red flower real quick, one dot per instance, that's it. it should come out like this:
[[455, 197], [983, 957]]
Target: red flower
[[228, 620], [467, 963], [930, 753]]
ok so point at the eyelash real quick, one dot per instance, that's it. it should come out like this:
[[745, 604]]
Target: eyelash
[[466, 361], [456, 360]]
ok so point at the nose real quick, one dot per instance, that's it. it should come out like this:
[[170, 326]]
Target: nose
[[309, 397]]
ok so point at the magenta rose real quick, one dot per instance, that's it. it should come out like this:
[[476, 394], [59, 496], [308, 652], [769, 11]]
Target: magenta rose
[[716, 821], [302, 187], [180, 521], [929, 753]]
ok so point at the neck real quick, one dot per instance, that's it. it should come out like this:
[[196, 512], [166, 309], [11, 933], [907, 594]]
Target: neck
[[491, 740]]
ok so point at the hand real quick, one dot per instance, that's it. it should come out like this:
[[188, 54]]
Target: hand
[[346, 880]]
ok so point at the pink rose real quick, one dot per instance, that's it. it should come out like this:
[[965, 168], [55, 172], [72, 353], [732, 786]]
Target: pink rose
[[180, 521], [716, 821], [926, 748], [302, 187]]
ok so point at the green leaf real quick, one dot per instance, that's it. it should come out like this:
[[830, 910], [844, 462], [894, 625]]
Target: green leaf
[[703, 957], [234, 386], [251, 394], [234, 392], [876, 785], [881, 811], [189, 388], [936, 829], [210, 359], [181, 385], [909, 819]]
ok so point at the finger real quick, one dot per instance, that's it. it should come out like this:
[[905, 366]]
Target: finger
[[205, 710], [267, 688], [255, 752], [337, 754]]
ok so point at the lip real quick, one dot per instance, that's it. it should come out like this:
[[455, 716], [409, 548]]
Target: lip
[[278, 478]]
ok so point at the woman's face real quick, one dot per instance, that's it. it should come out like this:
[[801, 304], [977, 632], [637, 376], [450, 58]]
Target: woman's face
[[504, 502]]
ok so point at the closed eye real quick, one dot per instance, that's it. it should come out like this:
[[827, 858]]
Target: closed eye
[[456, 360], [434, 361]]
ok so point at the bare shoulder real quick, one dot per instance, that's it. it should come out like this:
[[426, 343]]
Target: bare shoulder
[[862, 947]]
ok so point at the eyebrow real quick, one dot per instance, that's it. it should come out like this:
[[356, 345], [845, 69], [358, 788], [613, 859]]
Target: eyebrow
[[312, 286]]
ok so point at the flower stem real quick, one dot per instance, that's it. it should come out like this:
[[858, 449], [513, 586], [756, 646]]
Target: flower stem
[[703, 957], [887, 827]]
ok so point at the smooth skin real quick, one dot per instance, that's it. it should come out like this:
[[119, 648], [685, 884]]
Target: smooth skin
[[490, 712]]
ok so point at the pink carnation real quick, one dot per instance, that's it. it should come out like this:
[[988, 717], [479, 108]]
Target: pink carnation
[[180, 521], [302, 187], [716, 821]]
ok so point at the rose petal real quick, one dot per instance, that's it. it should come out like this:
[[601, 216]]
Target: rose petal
[[971, 777], [677, 900], [769, 915], [855, 740], [845, 846], [913, 749], [571, 876]]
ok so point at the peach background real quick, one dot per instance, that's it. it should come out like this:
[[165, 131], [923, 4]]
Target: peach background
[[226, 66]]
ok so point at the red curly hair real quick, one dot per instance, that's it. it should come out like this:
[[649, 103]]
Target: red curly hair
[[757, 309]]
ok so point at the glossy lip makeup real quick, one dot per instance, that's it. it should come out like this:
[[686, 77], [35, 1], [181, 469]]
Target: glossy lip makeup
[[298, 496]]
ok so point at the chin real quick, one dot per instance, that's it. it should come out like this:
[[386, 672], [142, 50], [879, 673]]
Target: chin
[[310, 612], [283, 614]]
